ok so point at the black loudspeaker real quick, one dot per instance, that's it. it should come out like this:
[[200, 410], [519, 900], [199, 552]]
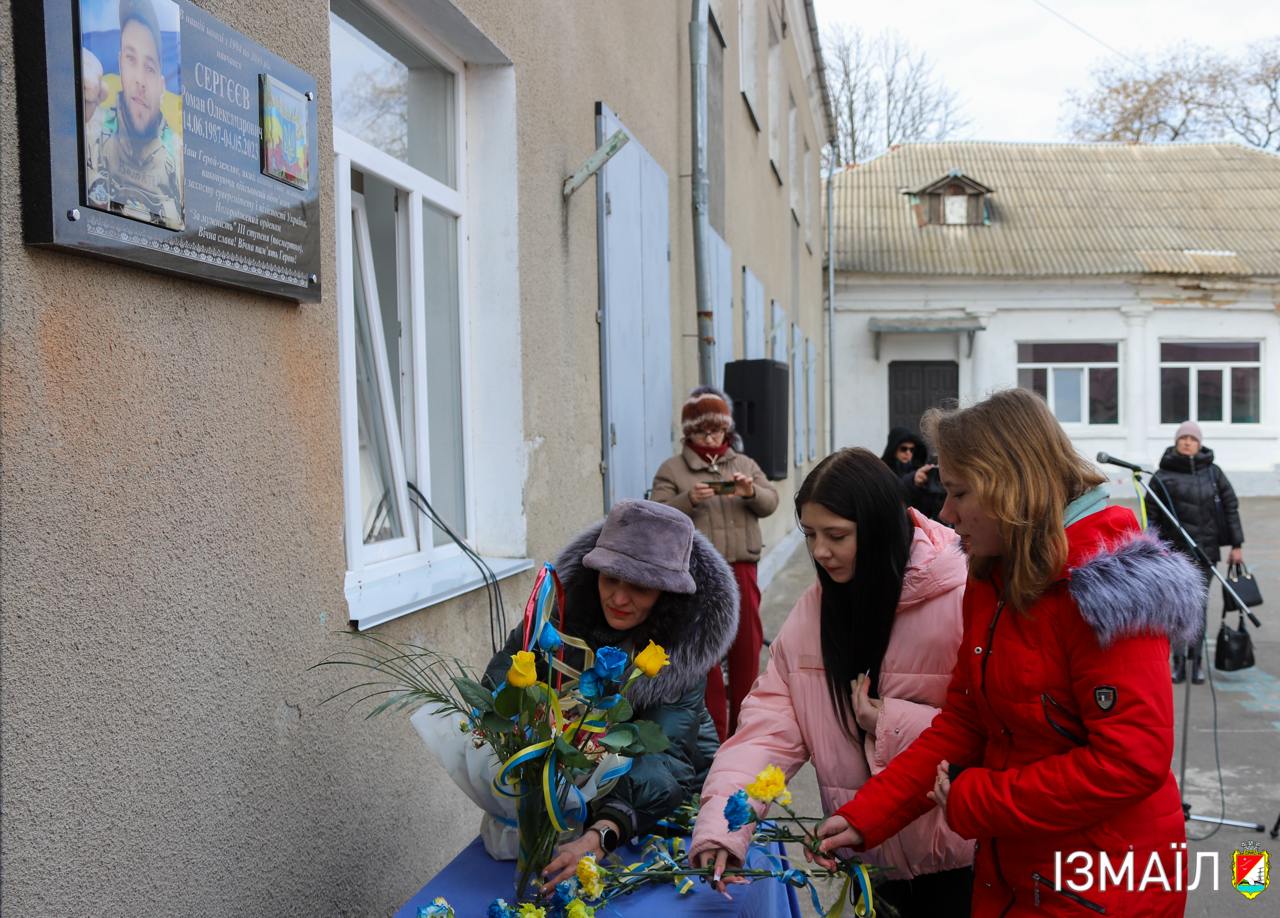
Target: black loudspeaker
[[759, 389]]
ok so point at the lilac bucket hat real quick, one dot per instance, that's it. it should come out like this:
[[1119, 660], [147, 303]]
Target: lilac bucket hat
[[645, 543]]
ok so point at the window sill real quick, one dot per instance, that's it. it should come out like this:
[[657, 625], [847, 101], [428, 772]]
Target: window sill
[[374, 598]]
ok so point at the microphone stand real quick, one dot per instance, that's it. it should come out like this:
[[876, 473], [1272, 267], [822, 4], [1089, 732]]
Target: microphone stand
[[1186, 698]]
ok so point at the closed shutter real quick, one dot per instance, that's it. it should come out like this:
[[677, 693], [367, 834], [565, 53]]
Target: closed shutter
[[753, 316], [721, 270], [635, 321]]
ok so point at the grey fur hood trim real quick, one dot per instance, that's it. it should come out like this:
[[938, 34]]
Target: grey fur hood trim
[[1139, 586], [695, 629]]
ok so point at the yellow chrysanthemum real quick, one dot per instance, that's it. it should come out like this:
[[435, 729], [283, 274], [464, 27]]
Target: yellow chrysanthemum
[[589, 877], [524, 669], [529, 910], [652, 659], [770, 785], [579, 909]]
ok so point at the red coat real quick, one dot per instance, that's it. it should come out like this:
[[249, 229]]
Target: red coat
[[1063, 720]]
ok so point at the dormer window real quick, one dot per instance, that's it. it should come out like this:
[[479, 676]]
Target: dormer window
[[953, 200]]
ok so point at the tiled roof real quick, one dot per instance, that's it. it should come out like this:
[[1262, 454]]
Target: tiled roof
[[1067, 209]]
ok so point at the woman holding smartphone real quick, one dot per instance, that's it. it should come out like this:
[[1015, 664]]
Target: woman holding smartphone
[[1054, 745], [726, 494]]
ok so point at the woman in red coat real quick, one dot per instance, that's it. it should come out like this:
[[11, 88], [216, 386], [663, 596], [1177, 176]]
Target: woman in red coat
[[1054, 744]]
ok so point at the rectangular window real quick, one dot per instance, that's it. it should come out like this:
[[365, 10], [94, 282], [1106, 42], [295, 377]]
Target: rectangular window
[[748, 54], [1079, 380], [1211, 381], [400, 241], [777, 99], [753, 316], [806, 218], [799, 416], [955, 209], [778, 332], [715, 126], [793, 155]]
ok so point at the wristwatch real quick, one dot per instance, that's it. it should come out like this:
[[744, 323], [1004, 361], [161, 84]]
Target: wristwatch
[[608, 836]]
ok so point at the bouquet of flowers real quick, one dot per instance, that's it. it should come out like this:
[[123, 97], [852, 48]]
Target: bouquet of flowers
[[553, 736]]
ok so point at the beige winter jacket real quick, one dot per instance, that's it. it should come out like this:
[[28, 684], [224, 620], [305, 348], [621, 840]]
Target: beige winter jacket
[[730, 522]]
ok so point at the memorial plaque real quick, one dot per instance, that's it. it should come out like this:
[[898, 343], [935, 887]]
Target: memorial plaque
[[152, 133]]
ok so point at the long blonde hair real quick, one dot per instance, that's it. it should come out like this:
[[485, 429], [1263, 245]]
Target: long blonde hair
[[1011, 451]]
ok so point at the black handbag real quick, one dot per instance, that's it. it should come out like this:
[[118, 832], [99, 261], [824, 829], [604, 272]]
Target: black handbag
[[1234, 649], [1244, 585]]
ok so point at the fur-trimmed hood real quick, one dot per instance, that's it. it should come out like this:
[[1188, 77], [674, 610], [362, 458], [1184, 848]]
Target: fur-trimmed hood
[[1126, 582], [695, 630]]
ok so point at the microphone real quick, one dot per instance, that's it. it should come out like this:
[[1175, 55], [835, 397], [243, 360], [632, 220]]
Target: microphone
[[1108, 459]]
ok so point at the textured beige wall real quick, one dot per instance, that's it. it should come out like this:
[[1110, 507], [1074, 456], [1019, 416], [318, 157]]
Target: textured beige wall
[[171, 552]]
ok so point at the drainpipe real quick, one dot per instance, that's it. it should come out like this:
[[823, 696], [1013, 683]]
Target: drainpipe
[[701, 185], [831, 304]]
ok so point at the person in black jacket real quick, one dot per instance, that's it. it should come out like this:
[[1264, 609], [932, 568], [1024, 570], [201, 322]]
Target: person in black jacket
[[1205, 504], [642, 574], [907, 457]]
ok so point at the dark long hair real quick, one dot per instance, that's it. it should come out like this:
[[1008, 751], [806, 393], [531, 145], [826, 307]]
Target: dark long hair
[[857, 616]]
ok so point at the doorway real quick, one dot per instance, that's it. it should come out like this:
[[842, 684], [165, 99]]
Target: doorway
[[915, 386]]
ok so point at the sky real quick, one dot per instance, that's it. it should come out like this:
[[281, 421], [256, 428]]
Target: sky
[[1012, 62]]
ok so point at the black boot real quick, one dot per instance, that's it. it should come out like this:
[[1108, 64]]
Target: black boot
[[1179, 669], [1197, 673]]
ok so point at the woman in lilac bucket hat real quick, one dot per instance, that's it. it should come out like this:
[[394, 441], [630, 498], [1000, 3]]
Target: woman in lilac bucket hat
[[644, 574]]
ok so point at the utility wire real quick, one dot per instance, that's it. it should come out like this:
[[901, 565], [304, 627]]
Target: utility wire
[[1083, 31]]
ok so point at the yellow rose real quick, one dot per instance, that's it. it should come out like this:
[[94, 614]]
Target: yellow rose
[[652, 659], [769, 785], [524, 670], [579, 909]]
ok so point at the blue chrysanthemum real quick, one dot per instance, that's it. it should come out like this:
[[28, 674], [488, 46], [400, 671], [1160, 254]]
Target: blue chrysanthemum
[[737, 811]]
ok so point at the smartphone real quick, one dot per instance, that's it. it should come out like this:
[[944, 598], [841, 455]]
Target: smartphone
[[722, 487]]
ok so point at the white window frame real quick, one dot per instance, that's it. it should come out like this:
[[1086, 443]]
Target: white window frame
[[1197, 366], [777, 88], [1085, 366], [748, 56]]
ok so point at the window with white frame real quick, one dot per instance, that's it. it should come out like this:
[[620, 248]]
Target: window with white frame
[[1211, 381], [400, 208], [793, 155], [1080, 380]]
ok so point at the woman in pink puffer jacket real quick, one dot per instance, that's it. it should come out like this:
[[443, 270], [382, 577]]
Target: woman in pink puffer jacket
[[887, 602]]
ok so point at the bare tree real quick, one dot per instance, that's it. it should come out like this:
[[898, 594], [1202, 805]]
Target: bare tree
[[885, 92], [1185, 93]]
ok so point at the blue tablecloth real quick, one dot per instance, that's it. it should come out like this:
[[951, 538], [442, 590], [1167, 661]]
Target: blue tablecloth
[[473, 879]]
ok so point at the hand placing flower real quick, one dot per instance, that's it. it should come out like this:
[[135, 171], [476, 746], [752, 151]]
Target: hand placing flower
[[569, 857], [652, 659], [524, 669]]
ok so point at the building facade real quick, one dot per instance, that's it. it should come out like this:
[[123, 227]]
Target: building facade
[[1132, 286], [203, 488]]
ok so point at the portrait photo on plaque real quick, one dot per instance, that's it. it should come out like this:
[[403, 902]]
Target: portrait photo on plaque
[[284, 132], [131, 105]]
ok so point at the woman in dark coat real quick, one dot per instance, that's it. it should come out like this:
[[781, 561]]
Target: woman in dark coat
[[644, 574], [907, 457], [1057, 732], [1202, 499]]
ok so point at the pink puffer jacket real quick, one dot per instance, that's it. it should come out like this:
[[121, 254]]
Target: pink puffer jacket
[[788, 718]]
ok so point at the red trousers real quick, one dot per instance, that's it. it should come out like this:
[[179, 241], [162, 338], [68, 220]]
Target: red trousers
[[743, 658]]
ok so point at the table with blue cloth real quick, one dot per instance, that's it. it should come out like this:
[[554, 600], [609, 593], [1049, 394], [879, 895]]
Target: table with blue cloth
[[473, 879]]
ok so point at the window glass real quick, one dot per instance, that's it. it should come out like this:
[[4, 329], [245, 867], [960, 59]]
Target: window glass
[[390, 94], [1036, 379], [1104, 395], [1210, 351], [1067, 399], [381, 519], [1246, 388], [715, 128], [1068, 352], [1209, 395], [444, 369], [956, 209], [1175, 395]]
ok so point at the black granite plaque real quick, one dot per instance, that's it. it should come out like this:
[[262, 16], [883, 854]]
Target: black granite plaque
[[151, 133]]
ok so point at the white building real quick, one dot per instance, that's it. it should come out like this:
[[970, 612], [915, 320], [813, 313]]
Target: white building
[[1134, 286]]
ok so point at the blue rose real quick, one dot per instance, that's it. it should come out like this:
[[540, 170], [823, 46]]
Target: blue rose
[[737, 812], [590, 685], [498, 908], [611, 663], [549, 638]]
